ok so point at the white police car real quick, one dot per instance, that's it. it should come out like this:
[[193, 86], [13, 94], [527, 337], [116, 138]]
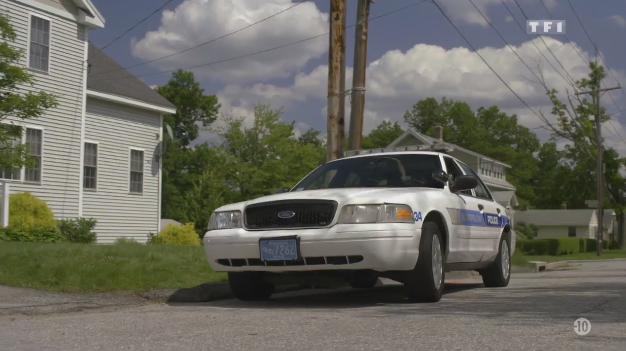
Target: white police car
[[407, 216]]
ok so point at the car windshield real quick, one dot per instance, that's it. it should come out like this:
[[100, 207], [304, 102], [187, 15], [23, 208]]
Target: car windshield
[[394, 170]]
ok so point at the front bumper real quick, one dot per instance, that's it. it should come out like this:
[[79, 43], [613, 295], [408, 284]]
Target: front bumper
[[377, 246]]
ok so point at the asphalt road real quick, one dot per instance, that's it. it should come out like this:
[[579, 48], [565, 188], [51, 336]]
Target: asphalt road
[[536, 312]]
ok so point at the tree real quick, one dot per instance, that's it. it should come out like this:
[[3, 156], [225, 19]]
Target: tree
[[193, 107], [267, 157], [381, 136], [488, 131], [15, 101]]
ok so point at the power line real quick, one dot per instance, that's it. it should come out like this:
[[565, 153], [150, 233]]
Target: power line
[[138, 23], [571, 80], [467, 41], [533, 42], [212, 40], [274, 48], [599, 53], [504, 40]]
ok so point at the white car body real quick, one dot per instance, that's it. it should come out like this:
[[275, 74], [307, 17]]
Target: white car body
[[472, 229]]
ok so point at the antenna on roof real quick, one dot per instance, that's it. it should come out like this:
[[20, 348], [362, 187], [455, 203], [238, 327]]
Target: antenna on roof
[[440, 145]]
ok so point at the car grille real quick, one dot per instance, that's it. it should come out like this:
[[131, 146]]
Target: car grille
[[290, 214]]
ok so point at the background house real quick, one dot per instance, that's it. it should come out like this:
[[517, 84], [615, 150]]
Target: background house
[[581, 223], [492, 172], [98, 152]]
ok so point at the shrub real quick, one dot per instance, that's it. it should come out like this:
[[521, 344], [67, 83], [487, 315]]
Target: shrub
[[78, 230], [47, 236], [178, 235], [568, 246], [553, 247], [28, 214]]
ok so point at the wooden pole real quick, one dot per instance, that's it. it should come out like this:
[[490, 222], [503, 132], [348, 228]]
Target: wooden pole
[[358, 78], [336, 80]]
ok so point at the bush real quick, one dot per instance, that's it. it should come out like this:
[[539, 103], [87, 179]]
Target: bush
[[29, 214], [553, 247], [178, 235], [78, 230], [43, 236]]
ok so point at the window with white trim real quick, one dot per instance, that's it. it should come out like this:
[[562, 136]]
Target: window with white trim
[[90, 166], [136, 171], [34, 139], [14, 139], [39, 44]]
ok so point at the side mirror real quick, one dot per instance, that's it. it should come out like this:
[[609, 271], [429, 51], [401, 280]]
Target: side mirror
[[441, 177], [463, 182]]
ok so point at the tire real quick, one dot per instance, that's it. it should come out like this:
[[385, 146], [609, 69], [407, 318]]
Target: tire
[[250, 286], [363, 279], [423, 283], [498, 273]]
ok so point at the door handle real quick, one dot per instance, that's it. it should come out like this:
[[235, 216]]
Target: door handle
[[481, 207]]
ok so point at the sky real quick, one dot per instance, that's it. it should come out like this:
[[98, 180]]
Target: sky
[[413, 53]]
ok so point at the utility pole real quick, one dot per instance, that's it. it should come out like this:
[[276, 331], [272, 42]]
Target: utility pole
[[595, 96], [336, 80], [358, 77]]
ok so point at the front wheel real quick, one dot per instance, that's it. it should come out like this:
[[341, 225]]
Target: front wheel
[[498, 273], [425, 282], [250, 286]]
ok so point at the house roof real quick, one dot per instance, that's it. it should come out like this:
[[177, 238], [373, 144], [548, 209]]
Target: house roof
[[430, 140], [555, 217], [88, 7], [107, 76]]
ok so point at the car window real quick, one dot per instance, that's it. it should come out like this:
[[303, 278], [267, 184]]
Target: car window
[[480, 190], [393, 170], [454, 171]]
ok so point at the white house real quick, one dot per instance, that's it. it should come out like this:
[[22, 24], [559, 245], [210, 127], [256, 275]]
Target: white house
[[582, 223], [98, 151]]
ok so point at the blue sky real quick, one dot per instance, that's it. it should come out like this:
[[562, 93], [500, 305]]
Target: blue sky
[[413, 53]]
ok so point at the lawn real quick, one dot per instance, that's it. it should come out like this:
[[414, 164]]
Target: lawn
[[98, 268], [521, 260]]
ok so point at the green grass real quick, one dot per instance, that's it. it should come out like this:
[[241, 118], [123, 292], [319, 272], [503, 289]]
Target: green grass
[[132, 267], [521, 260]]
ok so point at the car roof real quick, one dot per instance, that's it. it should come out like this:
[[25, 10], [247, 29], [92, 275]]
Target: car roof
[[386, 153]]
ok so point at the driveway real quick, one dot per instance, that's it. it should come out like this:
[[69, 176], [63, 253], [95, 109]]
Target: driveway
[[536, 311]]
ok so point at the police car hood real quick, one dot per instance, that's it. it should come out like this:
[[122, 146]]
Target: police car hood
[[343, 196]]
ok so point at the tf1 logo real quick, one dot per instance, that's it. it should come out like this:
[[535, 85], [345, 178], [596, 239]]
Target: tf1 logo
[[545, 26]]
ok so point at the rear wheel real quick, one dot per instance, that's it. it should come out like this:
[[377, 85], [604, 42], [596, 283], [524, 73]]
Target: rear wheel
[[498, 273], [424, 283], [250, 286]]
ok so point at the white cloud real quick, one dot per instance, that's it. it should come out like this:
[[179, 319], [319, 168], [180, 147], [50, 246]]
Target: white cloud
[[618, 20], [398, 79], [196, 21]]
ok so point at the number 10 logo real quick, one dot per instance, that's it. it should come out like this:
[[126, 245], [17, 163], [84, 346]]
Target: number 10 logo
[[582, 326]]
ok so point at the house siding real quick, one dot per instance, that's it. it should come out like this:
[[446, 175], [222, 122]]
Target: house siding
[[61, 125], [545, 232], [116, 129]]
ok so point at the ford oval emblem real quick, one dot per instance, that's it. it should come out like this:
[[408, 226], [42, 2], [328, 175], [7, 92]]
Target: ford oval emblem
[[286, 214]]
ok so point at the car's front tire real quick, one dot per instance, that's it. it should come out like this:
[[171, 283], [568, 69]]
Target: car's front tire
[[425, 282], [250, 286], [498, 273]]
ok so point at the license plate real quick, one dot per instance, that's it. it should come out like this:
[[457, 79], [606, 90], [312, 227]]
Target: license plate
[[279, 249]]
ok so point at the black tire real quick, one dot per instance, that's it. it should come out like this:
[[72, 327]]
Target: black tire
[[363, 279], [495, 275], [420, 282], [250, 286]]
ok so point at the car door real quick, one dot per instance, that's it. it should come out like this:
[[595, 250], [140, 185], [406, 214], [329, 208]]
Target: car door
[[461, 248], [485, 218]]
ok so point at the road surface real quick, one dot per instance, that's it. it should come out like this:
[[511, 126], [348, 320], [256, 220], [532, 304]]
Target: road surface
[[537, 311]]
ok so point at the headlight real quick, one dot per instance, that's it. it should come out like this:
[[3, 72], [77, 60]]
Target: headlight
[[225, 220], [382, 213]]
